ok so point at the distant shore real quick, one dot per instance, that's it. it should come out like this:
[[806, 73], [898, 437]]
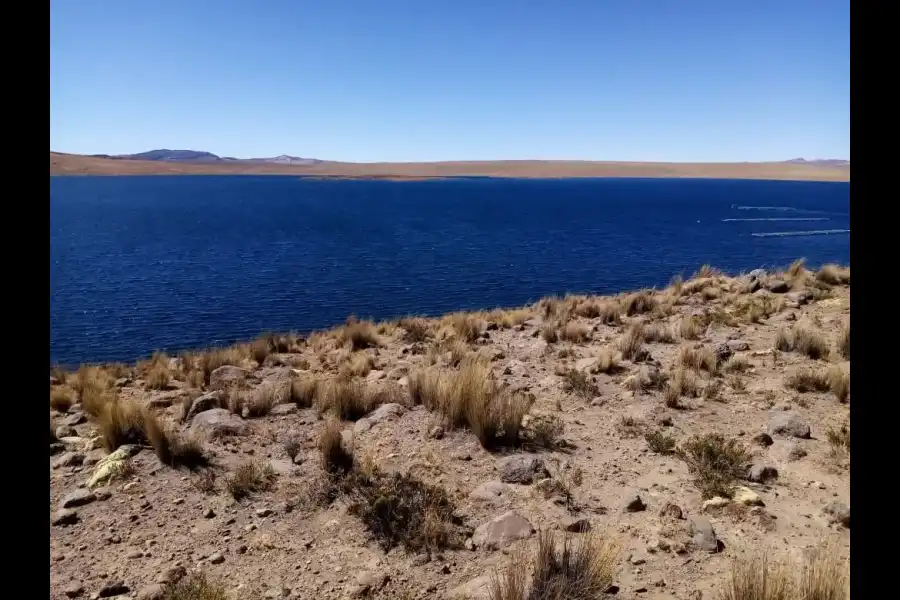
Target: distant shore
[[74, 164]]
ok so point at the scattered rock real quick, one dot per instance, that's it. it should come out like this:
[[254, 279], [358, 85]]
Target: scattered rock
[[69, 459], [724, 352], [703, 534], [282, 410], [575, 524], [216, 558], [226, 377], [671, 511], [746, 496], [368, 583], [635, 504], [167, 399], [375, 376], [522, 469], [202, 404], [837, 512], [115, 587], [502, 531], [56, 448], [763, 439], [172, 575], [757, 274], [436, 432], [263, 512], [715, 503], [218, 422], [789, 425], [209, 514], [489, 491], [759, 473], [73, 590], [73, 419], [77, 498], [64, 431], [64, 516], [382, 413], [738, 345], [474, 589], [777, 286]]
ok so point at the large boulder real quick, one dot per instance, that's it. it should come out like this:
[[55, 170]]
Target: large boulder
[[218, 422], [382, 413], [703, 534], [502, 531], [203, 403], [226, 377]]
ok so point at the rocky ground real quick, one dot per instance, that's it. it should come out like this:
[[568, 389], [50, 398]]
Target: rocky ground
[[761, 359]]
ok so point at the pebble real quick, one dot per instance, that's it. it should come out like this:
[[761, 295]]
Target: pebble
[[209, 514], [263, 512], [216, 558]]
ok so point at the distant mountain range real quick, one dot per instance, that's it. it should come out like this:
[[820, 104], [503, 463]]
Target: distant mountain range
[[825, 162], [194, 156]]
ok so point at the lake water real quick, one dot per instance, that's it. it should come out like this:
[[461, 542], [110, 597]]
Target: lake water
[[145, 263]]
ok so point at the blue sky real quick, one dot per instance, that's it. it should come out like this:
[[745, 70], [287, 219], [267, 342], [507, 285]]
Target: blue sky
[[391, 80]]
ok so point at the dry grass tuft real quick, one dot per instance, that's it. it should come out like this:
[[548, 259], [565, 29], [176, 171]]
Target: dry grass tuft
[[608, 311], [357, 365], [736, 364], [631, 427], [576, 332], [170, 448], [682, 382], [415, 330], [659, 333], [158, 377], [210, 360], [699, 359], [638, 303], [467, 327], [844, 342], [471, 398], [757, 578], [347, 399], [124, 422], [304, 391], [260, 401], [251, 477], [834, 274], [715, 463], [359, 335], [691, 327], [839, 439], [195, 586], [631, 344], [579, 568], [260, 349], [549, 333], [335, 457], [804, 340], [62, 398]]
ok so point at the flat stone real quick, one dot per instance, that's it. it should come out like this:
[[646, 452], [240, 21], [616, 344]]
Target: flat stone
[[112, 588], [738, 345], [522, 469], [703, 534], [74, 590], [166, 399], [376, 376], [68, 459], [202, 404], [386, 411], [219, 422], [282, 410], [73, 419], [77, 498], [227, 376], [789, 424], [64, 516], [216, 558], [64, 431], [502, 531], [154, 591]]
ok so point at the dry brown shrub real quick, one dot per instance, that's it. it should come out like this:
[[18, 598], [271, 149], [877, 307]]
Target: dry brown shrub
[[576, 332], [357, 365], [158, 377], [638, 303], [659, 333], [416, 330], [347, 399], [682, 382], [844, 342], [304, 391], [736, 364], [549, 333], [691, 327], [62, 398], [698, 359], [466, 326], [631, 344], [715, 463], [251, 477], [833, 274], [335, 457], [802, 339], [358, 335]]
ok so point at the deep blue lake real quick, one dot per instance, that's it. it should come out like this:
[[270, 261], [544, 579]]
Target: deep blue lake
[[145, 263]]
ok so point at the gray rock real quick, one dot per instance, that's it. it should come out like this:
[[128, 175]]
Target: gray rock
[[167, 399], [172, 575], [738, 345], [154, 591], [760, 473], [489, 491], [64, 431], [763, 439], [757, 274], [56, 448], [575, 524], [502, 531], [64, 516], [216, 558], [703, 534], [635, 504], [376, 375], [73, 419], [93, 457], [838, 512], [79, 497], [585, 364], [282, 410], [790, 425], [777, 286], [724, 352], [227, 376], [367, 583], [74, 590], [671, 511], [474, 589], [382, 413], [218, 422], [800, 297], [522, 469], [202, 404], [69, 459], [112, 588]]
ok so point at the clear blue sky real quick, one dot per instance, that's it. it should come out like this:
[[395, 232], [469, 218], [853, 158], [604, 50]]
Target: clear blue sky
[[370, 80]]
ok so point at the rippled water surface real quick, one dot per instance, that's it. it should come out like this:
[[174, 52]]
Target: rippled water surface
[[144, 263]]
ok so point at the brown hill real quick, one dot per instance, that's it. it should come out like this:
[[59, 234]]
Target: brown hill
[[74, 164]]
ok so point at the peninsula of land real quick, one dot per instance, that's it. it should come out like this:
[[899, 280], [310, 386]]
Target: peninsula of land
[[800, 170]]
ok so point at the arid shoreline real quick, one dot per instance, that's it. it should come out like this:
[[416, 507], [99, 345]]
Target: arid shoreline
[[72, 164]]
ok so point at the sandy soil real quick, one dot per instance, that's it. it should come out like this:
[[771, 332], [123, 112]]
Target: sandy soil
[[73, 164], [152, 521]]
